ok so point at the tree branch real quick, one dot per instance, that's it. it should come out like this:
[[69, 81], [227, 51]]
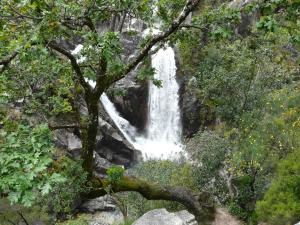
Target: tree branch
[[74, 64], [5, 62], [198, 203], [68, 126], [25, 16], [189, 7]]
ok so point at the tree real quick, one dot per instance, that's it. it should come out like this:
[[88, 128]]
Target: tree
[[34, 57]]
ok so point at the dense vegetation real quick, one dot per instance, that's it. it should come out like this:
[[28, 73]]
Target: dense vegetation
[[241, 61]]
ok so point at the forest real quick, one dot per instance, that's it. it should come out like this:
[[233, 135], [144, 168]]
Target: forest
[[149, 112]]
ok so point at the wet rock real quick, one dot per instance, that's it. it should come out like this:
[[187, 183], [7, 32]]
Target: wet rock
[[194, 115], [190, 107], [132, 104], [117, 150]]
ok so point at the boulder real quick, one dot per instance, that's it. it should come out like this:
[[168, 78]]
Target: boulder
[[104, 203], [163, 217], [105, 218], [113, 146]]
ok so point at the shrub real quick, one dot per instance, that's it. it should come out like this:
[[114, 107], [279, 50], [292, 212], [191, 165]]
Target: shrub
[[281, 203]]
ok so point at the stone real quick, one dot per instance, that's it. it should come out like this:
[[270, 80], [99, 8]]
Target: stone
[[187, 217], [163, 217], [104, 203], [101, 165], [106, 218]]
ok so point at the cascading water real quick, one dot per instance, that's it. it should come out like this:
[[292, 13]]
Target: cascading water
[[164, 125], [164, 113], [163, 132]]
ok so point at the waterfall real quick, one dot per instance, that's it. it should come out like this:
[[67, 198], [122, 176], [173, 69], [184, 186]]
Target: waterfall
[[163, 131], [164, 125], [164, 113]]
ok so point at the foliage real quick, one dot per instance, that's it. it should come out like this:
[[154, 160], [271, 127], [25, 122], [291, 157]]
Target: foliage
[[24, 162], [80, 220], [12, 214], [209, 151], [115, 174], [281, 203], [63, 196], [40, 72], [249, 82]]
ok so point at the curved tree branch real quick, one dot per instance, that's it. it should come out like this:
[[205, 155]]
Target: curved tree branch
[[199, 204]]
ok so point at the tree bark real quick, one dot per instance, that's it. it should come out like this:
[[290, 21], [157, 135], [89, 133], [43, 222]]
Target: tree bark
[[199, 204]]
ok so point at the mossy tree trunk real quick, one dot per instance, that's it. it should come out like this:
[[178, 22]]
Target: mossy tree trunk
[[199, 204]]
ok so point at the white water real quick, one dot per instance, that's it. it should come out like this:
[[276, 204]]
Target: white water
[[164, 125], [163, 132]]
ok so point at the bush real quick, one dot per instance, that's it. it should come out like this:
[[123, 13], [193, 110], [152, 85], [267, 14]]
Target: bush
[[63, 196], [209, 151], [281, 203]]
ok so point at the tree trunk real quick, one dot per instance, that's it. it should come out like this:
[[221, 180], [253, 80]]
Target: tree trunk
[[199, 204], [89, 135]]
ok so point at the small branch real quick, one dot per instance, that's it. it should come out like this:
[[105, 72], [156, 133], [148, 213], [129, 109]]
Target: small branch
[[23, 218], [25, 16], [69, 126], [5, 62], [193, 26], [74, 64]]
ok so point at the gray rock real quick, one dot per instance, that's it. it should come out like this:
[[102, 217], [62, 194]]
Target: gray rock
[[163, 217], [187, 217], [101, 165], [133, 104], [73, 142], [104, 203], [106, 218]]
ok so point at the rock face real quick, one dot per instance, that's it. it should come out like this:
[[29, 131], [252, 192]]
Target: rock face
[[163, 217], [101, 211], [133, 103], [193, 115], [106, 218], [113, 146], [190, 107]]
